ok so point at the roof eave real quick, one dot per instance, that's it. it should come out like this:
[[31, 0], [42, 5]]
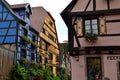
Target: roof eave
[[65, 13], [15, 15]]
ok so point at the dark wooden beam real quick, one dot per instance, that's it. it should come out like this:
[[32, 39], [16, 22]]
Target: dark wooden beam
[[70, 33], [99, 12], [108, 4], [96, 50], [94, 5], [87, 5], [105, 35], [78, 43], [111, 21]]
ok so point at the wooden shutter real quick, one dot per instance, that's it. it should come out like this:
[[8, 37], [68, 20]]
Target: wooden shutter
[[79, 26], [102, 25]]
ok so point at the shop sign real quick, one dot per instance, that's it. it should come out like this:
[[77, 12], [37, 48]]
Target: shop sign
[[113, 57]]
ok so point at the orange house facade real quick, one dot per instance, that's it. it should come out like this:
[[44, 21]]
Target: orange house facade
[[94, 38]]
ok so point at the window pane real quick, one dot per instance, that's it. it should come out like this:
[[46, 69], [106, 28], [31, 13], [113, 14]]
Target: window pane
[[87, 31], [87, 22], [87, 27], [94, 26], [3, 31], [23, 53], [94, 21], [10, 39], [12, 32], [95, 31]]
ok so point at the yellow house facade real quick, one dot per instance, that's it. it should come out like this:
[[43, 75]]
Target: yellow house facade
[[48, 49]]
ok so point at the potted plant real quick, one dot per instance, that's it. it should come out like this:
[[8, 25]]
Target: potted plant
[[34, 44], [90, 37], [26, 39]]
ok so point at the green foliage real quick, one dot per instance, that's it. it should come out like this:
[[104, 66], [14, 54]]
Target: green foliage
[[63, 75], [18, 73], [26, 39], [56, 78], [34, 71], [48, 74], [90, 37], [66, 48], [34, 44]]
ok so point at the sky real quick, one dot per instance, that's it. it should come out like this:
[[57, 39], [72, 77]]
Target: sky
[[55, 7]]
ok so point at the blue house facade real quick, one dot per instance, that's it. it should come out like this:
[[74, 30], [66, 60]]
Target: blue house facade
[[15, 29], [26, 50]]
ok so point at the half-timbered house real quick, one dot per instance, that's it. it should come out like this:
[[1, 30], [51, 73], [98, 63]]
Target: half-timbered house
[[94, 38]]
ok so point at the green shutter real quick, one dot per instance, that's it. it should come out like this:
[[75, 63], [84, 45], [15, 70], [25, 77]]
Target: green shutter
[[102, 25]]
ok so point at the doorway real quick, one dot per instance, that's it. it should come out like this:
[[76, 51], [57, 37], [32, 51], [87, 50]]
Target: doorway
[[94, 69]]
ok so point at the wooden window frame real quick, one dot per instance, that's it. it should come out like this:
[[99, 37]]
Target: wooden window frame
[[91, 25]]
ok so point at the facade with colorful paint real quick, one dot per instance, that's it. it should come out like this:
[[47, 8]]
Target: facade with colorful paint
[[30, 34], [94, 38]]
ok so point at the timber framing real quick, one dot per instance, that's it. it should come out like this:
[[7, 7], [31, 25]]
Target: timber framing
[[70, 12], [97, 12], [96, 49]]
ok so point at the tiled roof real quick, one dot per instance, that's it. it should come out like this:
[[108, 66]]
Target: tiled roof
[[38, 17]]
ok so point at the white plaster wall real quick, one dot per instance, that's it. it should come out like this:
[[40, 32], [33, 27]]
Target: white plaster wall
[[110, 67], [78, 68]]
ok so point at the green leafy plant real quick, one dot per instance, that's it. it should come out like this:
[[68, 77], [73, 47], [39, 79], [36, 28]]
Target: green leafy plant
[[90, 37], [33, 71], [34, 44], [26, 39], [18, 73]]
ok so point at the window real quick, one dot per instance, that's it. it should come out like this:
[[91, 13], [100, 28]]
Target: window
[[51, 37], [47, 45], [40, 59], [50, 56], [40, 43], [32, 57], [51, 68], [24, 31], [91, 26], [94, 69], [50, 23], [43, 31], [23, 53], [33, 38], [46, 60], [118, 70]]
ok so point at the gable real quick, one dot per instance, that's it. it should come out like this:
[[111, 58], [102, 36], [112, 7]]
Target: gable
[[95, 5], [8, 25]]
